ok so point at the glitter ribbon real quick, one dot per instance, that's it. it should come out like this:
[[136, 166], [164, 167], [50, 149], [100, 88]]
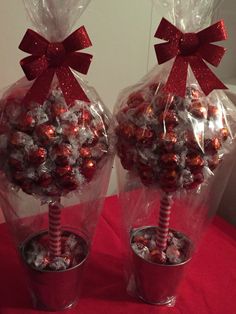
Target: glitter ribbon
[[49, 59], [190, 49]]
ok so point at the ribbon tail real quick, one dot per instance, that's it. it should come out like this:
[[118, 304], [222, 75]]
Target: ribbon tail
[[176, 82], [207, 80], [40, 88], [70, 87]]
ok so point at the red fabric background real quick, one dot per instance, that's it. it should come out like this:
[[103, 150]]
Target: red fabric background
[[209, 286]]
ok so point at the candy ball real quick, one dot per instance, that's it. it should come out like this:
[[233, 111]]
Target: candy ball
[[170, 142], [52, 148]]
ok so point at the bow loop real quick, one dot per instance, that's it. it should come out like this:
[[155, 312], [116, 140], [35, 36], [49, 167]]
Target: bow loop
[[83, 65], [213, 33], [166, 51], [168, 31], [78, 40], [213, 54], [190, 49], [34, 66], [50, 59], [33, 43]]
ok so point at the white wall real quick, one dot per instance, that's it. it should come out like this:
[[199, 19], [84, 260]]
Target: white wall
[[120, 34]]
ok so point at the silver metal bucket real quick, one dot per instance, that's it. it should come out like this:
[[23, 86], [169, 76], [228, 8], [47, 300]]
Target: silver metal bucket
[[54, 290], [156, 283]]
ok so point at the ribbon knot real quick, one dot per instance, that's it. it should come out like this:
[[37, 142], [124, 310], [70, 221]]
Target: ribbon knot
[[188, 44], [55, 54], [190, 49], [48, 59]]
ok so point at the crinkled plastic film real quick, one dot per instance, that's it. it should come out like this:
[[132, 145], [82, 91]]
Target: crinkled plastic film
[[54, 19], [202, 13], [176, 154]]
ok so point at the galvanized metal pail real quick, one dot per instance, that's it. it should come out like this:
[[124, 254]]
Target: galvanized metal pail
[[156, 283], [54, 290]]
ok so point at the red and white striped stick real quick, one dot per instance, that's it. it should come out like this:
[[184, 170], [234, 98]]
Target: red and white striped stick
[[164, 221], [55, 229]]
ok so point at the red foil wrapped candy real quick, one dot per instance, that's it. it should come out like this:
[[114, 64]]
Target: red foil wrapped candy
[[172, 141], [50, 144]]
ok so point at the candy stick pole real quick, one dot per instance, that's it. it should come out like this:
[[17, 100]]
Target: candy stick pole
[[55, 229], [164, 221]]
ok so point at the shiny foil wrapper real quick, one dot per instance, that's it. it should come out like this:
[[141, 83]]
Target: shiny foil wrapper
[[145, 245], [37, 255]]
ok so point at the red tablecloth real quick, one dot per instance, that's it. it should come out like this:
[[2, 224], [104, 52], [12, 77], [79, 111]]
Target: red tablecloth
[[209, 286]]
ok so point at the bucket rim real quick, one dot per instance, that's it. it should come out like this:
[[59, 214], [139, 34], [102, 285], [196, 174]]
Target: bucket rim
[[22, 253], [136, 230]]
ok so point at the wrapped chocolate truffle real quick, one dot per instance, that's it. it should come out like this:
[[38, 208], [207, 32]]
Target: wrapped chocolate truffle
[[174, 129], [56, 151]]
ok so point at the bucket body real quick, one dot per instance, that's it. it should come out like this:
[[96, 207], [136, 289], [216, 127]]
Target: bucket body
[[54, 290], [157, 283]]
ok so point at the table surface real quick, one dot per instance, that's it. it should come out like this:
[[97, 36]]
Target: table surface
[[209, 286]]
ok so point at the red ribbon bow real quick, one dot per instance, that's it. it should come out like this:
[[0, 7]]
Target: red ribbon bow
[[48, 59], [191, 49]]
